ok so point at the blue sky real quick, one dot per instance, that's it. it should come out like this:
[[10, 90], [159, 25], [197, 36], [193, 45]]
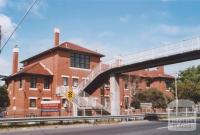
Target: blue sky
[[112, 27]]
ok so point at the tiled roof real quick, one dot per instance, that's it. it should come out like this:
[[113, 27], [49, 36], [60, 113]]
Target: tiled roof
[[75, 47], [150, 74], [66, 46], [35, 69]]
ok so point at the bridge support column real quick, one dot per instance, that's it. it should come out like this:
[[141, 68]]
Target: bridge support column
[[75, 110], [114, 95]]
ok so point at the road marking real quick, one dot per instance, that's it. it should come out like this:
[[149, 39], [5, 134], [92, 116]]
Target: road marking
[[162, 127]]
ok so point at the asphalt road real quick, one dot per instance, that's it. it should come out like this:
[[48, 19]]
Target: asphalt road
[[144, 128]]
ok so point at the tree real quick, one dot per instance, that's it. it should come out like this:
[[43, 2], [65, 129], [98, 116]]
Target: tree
[[4, 99], [189, 84], [135, 103], [154, 96]]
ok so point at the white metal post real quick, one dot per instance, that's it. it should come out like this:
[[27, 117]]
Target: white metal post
[[176, 95]]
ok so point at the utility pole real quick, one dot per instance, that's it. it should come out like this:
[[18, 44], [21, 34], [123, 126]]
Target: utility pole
[[176, 94]]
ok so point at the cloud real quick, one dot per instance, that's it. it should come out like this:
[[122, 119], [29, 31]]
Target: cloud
[[164, 30], [35, 47], [24, 5], [5, 66], [3, 3], [168, 29], [38, 8], [124, 19], [100, 47], [7, 26]]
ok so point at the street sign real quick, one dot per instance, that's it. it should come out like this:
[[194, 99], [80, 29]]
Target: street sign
[[50, 106], [70, 95]]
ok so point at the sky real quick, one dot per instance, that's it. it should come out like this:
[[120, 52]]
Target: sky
[[111, 27]]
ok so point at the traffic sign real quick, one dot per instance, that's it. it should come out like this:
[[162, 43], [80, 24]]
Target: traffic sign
[[70, 95]]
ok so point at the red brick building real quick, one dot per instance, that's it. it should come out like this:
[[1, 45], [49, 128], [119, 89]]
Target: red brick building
[[132, 82], [67, 64]]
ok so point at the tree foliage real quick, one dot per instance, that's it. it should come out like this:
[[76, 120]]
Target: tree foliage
[[189, 84], [154, 96], [4, 99], [135, 103]]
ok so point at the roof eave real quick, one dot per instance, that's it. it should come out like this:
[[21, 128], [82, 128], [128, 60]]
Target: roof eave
[[15, 75], [55, 48]]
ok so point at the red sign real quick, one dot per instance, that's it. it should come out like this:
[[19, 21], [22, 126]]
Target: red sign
[[50, 106]]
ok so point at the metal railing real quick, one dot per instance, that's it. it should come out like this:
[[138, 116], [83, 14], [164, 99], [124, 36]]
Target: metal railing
[[165, 51], [89, 102], [68, 118]]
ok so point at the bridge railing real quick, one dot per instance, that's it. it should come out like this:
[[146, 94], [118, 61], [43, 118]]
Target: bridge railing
[[165, 51]]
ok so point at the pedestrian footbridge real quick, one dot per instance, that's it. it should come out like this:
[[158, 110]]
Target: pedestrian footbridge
[[182, 51]]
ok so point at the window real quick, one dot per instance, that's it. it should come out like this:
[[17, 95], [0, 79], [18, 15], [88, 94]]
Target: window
[[126, 84], [46, 83], [32, 103], [148, 82], [65, 81], [85, 80], [64, 103], [20, 83], [80, 61], [169, 84], [33, 82], [75, 82], [126, 102]]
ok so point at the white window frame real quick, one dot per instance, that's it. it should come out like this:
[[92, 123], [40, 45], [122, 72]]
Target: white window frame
[[49, 85], [83, 69], [74, 77], [34, 89], [35, 82], [65, 76], [33, 108]]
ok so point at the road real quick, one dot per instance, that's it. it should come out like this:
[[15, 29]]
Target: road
[[143, 128]]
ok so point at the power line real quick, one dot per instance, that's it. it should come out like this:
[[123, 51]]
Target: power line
[[21, 21]]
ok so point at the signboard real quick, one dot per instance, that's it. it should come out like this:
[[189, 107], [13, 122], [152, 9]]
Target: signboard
[[70, 95], [146, 105], [50, 106]]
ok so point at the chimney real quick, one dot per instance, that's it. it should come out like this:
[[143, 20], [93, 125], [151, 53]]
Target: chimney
[[56, 36], [15, 59], [161, 69]]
